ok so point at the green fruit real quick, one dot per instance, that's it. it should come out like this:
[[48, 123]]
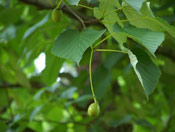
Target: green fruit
[[94, 110], [56, 15]]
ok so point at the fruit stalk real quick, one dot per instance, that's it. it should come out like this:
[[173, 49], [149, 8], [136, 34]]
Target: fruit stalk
[[90, 75]]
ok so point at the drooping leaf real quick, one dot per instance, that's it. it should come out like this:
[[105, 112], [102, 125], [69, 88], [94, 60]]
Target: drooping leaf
[[136, 4], [149, 39], [147, 72], [71, 44]]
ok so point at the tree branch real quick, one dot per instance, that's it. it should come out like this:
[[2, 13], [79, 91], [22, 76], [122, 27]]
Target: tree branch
[[77, 16], [45, 5]]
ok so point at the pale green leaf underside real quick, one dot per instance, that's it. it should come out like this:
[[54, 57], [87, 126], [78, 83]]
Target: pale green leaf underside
[[147, 72], [136, 4], [146, 20], [73, 2], [71, 44], [33, 28], [149, 39]]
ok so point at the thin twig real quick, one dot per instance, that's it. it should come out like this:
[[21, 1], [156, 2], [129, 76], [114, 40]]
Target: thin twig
[[79, 18]]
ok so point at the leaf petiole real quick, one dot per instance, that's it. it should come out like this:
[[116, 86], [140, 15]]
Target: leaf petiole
[[111, 50], [103, 40], [118, 9], [85, 6]]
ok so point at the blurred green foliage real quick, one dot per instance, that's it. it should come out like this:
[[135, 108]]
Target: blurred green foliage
[[56, 99]]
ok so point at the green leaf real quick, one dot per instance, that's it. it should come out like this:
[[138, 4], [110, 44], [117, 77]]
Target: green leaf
[[35, 112], [109, 18], [101, 81], [68, 94], [147, 20], [71, 44], [8, 34], [81, 99], [33, 28], [144, 122], [10, 15], [112, 60], [54, 112], [149, 39], [39, 94], [73, 2], [136, 4], [3, 126], [53, 66], [117, 123], [147, 72]]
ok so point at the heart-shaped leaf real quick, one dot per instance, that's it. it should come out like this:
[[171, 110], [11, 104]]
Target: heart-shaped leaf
[[71, 44]]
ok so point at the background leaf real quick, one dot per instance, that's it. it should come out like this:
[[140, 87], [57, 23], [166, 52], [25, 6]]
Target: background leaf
[[53, 66], [33, 28], [73, 2]]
